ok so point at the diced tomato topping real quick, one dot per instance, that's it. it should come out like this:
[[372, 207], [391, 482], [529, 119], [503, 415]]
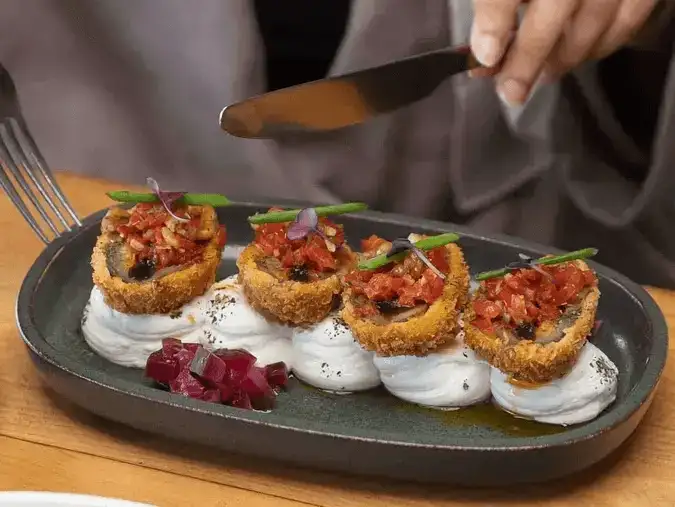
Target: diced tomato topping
[[439, 258], [434, 285], [484, 325], [516, 308], [531, 308], [366, 310], [383, 287], [222, 236], [316, 255], [548, 312], [589, 277], [359, 276], [311, 252], [143, 233], [271, 238], [372, 243], [528, 296], [409, 283], [486, 308]]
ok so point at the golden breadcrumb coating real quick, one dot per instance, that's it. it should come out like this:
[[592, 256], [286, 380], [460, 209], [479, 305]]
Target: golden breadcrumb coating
[[526, 360], [288, 301], [162, 295], [421, 334]]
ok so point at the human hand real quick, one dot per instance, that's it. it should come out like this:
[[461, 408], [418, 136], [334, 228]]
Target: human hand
[[554, 37]]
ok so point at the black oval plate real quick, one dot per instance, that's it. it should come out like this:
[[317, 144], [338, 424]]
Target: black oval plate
[[369, 433]]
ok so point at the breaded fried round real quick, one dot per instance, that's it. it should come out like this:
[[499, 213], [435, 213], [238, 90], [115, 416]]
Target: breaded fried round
[[288, 301], [162, 295], [421, 334], [526, 360]]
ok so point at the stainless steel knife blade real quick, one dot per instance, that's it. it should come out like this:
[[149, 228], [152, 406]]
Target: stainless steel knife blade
[[341, 101]]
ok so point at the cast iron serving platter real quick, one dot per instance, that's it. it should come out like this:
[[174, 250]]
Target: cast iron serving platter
[[370, 433]]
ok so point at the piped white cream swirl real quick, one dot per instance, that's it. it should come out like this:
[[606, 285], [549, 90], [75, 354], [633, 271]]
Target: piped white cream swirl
[[327, 356], [231, 323], [451, 377], [221, 318], [127, 339], [588, 388]]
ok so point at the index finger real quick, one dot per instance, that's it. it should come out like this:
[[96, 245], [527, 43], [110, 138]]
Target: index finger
[[493, 24], [542, 26]]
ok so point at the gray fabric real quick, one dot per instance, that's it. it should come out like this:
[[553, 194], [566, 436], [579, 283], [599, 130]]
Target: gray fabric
[[122, 89]]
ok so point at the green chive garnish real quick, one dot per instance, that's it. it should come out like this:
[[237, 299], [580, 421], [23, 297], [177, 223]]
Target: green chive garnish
[[215, 200], [423, 244], [275, 217], [543, 261]]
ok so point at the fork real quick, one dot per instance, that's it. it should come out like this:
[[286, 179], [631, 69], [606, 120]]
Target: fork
[[20, 158]]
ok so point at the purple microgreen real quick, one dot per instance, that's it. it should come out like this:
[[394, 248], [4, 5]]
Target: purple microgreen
[[400, 245], [306, 222], [167, 198]]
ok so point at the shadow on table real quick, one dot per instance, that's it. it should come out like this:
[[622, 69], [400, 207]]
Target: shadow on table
[[372, 486]]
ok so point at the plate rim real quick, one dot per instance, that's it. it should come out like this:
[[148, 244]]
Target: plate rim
[[635, 398], [60, 498]]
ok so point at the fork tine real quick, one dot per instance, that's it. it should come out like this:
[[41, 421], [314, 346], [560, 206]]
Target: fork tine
[[6, 184], [34, 155], [21, 159], [12, 162]]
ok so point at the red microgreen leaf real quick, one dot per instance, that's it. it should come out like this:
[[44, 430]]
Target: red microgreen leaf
[[167, 198]]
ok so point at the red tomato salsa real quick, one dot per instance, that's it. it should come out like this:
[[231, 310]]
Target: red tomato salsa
[[528, 297], [306, 259], [155, 237], [403, 284]]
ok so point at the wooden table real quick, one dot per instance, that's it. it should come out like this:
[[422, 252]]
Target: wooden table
[[48, 444]]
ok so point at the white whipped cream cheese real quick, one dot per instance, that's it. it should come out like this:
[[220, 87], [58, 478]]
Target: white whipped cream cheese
[[451, 377], [221, 318], [231, 323], [128, 339], [579, 396], [326, 356]]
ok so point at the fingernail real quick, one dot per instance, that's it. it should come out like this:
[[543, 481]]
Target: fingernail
[[487, 49], [512, 92]]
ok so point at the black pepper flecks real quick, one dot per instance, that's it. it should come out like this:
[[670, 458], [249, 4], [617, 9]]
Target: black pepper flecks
[[465, 385], [465, 355], [209, 337], [85, 315], [176, 314], [326, 371], [604, 369], [217, 310], [337, 328]]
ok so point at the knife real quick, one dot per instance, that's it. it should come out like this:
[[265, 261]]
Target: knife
[[341, 101]]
